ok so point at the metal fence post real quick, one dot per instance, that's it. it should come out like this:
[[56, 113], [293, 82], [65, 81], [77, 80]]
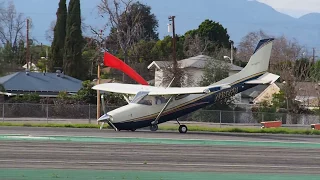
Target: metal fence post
[[47, 112], [3, 112], [234, 116], [220, 119], [89, 113]]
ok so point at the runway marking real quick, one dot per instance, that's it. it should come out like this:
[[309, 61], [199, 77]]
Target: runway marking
[[44, 174], [164, 141], [159, 164]]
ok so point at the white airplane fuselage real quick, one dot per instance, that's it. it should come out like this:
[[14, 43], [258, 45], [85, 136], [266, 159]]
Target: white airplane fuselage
[[148, 109], [137, 115]]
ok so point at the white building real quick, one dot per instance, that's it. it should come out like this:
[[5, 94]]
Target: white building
[[193, 68]]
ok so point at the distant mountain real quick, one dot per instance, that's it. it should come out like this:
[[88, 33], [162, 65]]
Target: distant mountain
[[312, 18], [239, 17]]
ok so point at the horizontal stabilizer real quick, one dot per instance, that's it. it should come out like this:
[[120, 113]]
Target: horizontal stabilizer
[[267, 78]]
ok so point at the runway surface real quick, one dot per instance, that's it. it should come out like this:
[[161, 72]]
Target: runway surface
[[284, 156]]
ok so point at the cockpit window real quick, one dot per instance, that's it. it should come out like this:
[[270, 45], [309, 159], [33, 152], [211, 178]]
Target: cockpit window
[[145, 101], [140, 95], [143, 98]]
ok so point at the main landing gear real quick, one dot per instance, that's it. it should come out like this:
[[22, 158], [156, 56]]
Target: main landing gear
[[154, 127], [182, 128]]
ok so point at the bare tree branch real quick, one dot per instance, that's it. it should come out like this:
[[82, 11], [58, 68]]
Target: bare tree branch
[[12, 25], [127, 27], [194, 46]]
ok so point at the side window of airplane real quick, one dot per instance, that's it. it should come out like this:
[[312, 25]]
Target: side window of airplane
[[146, 101], [161, 99]]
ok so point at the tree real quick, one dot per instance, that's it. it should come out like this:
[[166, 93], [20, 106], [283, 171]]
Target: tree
[[279, 100], [249, 43], [12, 28], [303, 69], [215, 32], [195, 45], [49, 34], [149, 21], [12, 25], [73, 64], [315, 72], [212, 33], [214, 72], [57, 46], [50, 31], [130, 22], [86, 93]]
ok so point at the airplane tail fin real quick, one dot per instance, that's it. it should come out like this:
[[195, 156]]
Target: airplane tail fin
[[257, 65], [259, 61]]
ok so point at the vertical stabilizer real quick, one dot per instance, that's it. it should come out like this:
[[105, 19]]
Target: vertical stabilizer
[[258, 63]]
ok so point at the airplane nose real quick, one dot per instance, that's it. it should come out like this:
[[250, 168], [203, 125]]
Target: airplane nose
[[105, 118]]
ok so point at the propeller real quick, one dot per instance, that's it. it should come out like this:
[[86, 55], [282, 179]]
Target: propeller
[[101, 126]]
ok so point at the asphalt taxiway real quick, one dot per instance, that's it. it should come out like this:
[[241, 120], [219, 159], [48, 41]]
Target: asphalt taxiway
[[92, 149]]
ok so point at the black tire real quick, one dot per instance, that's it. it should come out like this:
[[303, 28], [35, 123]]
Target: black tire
[[154, 127], [133, 130], [183, 129]]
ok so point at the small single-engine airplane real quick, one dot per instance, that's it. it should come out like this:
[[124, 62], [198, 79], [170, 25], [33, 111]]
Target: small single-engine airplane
[[151, 105]]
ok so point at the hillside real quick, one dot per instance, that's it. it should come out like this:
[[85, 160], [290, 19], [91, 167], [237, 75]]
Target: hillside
[[239, 17]]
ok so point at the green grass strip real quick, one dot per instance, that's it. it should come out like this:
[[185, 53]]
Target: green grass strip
[[174, 128], [64, 174]]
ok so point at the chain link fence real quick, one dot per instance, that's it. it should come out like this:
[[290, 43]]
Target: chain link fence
[[67, 113]]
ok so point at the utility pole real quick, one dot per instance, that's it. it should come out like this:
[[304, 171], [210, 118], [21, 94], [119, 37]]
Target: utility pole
[[231, 42], [313, 55], [175, 63], [98, 94], [171, 18], [98, 80], [27, 55]]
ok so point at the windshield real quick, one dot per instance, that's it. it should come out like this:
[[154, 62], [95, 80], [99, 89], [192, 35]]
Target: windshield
[[140, 95]]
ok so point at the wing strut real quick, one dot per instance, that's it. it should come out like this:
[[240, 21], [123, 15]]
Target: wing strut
[[163, 109], [171, 82], [126, 98], [165, 106]]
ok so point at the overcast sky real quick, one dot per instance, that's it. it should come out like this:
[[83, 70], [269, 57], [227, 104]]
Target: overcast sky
[[295, 8]]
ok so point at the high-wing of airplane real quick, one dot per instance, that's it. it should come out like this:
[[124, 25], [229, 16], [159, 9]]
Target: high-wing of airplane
[[151, 105]]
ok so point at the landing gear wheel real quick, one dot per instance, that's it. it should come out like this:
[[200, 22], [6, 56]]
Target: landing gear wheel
[[133, 130], [154, 127], [183, 129]]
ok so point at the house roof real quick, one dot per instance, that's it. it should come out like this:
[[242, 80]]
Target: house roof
[[194, 62], [40, 82]]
